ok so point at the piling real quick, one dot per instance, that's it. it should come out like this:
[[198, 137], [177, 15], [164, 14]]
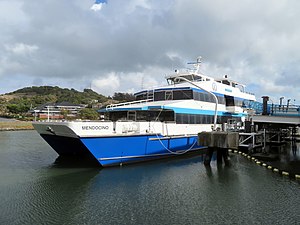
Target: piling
[[220, 142]]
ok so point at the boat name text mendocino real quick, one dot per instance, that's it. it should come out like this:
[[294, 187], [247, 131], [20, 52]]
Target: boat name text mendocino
[[95, 127]]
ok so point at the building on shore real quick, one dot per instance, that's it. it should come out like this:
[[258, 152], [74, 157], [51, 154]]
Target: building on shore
[[60, 110]]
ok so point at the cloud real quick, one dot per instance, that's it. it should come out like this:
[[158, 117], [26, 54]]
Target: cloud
[[98, 5], [106, 85], [137, 40], [21, 49], [126, 82]]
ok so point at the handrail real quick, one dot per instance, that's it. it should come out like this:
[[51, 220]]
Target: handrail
[[111, 106]]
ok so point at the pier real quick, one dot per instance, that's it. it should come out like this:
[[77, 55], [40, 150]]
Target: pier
[[278, 123], [272, 115], [266, 129]]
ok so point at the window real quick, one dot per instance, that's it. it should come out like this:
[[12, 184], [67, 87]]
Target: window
[[226, 82], [173, 95], [115, 116], [131, 115], [221, 100], [179, 119], [196, 96], [210, 98], [229, 100], [159, 96], [182, 94], [169, 95], [239, 102], [194, 119]]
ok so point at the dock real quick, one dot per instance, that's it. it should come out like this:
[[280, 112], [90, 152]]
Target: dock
[[271, 125]]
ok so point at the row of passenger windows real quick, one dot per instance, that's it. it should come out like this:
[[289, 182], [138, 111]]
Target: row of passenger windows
[[180, 118], [206, 97], [194, 119], [141, 115], [201, 119]]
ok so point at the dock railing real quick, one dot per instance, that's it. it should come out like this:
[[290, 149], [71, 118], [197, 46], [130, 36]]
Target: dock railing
[[276, 109], [284, 110], [252, 141]]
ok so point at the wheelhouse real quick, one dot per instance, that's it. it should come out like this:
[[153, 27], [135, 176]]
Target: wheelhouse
[[174, 79]]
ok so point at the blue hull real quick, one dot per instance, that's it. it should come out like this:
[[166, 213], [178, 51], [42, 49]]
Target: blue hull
[[110, 151]]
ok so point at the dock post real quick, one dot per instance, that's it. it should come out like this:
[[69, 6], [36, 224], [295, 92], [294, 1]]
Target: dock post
[[219, 155], [223, 155], [208, 156], [219, 141]]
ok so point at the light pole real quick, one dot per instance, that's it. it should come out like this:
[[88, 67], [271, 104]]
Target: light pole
[[48, 114]]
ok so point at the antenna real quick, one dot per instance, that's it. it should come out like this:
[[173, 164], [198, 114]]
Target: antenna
[[196, 64]]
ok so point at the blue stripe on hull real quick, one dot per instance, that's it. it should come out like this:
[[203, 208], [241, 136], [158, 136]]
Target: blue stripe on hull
[[111, 151]]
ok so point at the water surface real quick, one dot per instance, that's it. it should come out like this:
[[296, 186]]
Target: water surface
[[36, 189]]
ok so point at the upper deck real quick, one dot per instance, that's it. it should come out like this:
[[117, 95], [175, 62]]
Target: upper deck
[[192, 85]]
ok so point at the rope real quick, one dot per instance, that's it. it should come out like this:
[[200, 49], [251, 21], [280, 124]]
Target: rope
[[169, 150]]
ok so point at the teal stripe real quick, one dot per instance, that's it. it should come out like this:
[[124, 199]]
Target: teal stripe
[[202, 112], [181, 110]]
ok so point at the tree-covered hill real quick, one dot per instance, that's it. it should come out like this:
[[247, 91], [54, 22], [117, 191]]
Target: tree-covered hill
[[42, 94], [22, 100]]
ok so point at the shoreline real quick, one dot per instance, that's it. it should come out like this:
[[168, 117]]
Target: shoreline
[[15, 125]]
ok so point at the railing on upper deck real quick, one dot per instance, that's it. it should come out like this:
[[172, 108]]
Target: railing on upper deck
[[250, 93], [111, 106]]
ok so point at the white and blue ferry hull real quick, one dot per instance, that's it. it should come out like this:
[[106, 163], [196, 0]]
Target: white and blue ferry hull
[[111, 150]]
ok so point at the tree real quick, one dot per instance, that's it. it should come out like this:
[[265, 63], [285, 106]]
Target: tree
[[119, 96], [88, 113], [64, 113], [17, 108]]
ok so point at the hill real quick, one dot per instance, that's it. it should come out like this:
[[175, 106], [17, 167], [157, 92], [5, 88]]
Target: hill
[[44, 94], [22, 100], [18, 102]]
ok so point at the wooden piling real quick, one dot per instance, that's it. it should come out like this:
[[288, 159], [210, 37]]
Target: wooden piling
[[220, 142]]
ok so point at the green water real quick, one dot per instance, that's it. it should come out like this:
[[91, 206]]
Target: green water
[[36, 189]]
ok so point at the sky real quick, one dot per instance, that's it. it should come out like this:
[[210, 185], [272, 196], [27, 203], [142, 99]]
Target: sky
[[126, 45]]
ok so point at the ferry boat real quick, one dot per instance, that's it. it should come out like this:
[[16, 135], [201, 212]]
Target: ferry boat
[[161, 122]]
